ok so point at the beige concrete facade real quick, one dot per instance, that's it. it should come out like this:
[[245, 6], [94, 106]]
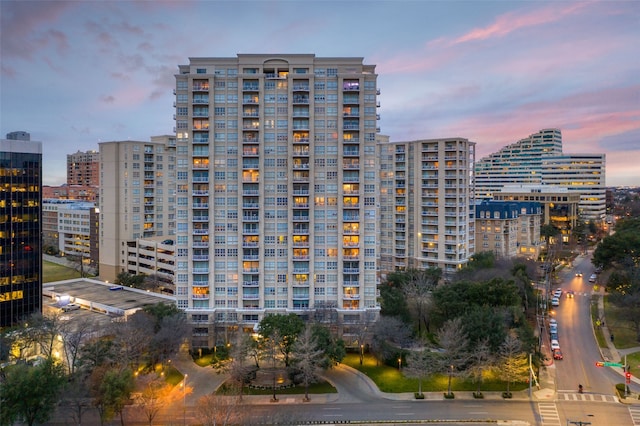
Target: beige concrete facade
[[427, 204], [137, 197], [280, 209]]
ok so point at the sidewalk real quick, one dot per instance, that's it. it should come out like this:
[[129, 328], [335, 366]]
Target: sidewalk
[[611, 353]]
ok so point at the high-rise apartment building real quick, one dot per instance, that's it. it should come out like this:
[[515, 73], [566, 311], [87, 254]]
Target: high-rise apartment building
[[20, 228], [583, 174], [518, 163], [137, 197], [427, 204], [539, 160], [83, 168], [70, 228], [277, 193]]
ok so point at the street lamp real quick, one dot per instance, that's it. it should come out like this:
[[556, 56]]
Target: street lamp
[[361, 354], [399, 363], [184, 399]]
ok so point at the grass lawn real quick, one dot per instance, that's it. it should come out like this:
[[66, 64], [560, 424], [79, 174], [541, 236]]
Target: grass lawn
[[623, 331], [633, 360], [600, 337], [390, 379], [53, 272]]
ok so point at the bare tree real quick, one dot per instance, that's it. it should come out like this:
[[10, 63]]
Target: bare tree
[[273, 354], [513, 365], [133, 337], [480, 359], [76, 400], [239, 372], [422, 364], [74, 336], [417, 288], [390, 335], [155, 395], [219, 410], [307, 358], [454, 342]]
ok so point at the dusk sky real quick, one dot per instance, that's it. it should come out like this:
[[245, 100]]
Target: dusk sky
[[78, 73]]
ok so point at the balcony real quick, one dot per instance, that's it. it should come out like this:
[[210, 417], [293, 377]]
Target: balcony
[[250, 270], [251, 296], [200, 270], [250, 218], [200, 205], [250, 283], [200, 244], [200, 257], [250, 257], [200, 192], [250, 205], [201, 296], [200, 232], [250, 244], [201, 218]]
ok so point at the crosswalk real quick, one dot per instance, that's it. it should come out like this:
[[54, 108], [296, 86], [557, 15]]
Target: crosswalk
[[634, 412], [548, 414], [590, 397]]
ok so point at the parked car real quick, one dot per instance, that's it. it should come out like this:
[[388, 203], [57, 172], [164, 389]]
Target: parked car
[[593, 278], [557, 354], [555, 345], [553, 335], [70, 307], [553, 321], [555, 302]]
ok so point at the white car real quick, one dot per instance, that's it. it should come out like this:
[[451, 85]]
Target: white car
[[70, 307], [555, 302], [553, 321], [557, 293], [593, 278], [555, 345]]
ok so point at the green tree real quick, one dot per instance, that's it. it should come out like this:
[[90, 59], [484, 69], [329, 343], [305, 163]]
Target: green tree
[[621, 247], [288, 328], [393, 302], [30, 394], [111, 389], [334, 348]]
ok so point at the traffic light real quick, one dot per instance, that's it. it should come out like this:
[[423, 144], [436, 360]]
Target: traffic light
[[627, 377], [599, 364]]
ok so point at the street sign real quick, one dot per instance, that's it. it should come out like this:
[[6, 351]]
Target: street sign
[[613, 364]]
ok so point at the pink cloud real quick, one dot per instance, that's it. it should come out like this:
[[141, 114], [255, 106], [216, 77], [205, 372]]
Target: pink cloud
[[512, 21], [22, 24]]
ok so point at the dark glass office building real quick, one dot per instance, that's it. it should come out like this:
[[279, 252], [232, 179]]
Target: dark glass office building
[[20, 230]]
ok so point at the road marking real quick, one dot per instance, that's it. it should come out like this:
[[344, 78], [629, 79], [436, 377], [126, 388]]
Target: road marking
[[592, 397], [634, 412], [332, 415], [549, 414]]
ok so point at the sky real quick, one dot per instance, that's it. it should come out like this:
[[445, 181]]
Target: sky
[[77, 73]]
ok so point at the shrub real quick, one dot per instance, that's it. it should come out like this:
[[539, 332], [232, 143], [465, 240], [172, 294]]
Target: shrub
[[449, 395], [621, 388], [419, 395], [478, 395], [507, 395]]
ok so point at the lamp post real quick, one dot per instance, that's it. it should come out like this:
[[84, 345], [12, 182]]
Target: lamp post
[[399, 363], [361, 353], [184, 399]]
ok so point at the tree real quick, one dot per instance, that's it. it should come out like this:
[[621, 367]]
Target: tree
[[30, 394], [76, 399], [166, 341], [155, 394], [480, 358], [219, 410], [73, 338], [390, 335], [308, 359], [422, 364], [392, 300], [130, 280], [333, 348], [239, 372], [111, 389], [454, 343], [417, 287], [132, 337], [513, 362], [288, 328], [621, 247]]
